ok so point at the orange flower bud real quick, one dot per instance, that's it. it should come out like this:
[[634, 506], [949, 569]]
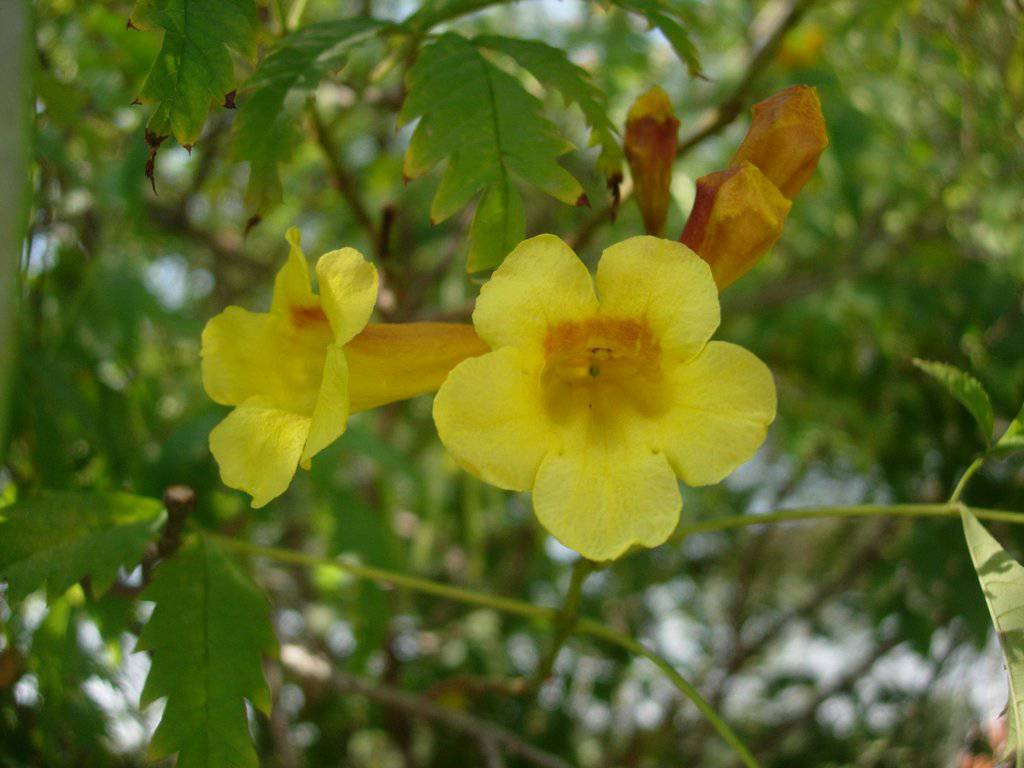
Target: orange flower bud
[[650, 145], [786, 138], [737, 216]]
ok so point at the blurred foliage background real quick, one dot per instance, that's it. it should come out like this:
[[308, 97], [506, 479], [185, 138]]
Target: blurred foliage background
[[860, 643]]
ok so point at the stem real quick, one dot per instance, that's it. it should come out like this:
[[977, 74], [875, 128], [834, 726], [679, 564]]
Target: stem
[[17, 73], [965, 478], [415, 583], [732, 105], [344, 180], [565, 621], [584, 626], [951, 509], [594, 629]]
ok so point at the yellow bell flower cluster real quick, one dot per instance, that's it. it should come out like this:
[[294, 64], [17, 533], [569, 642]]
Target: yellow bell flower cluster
[[598, 395]]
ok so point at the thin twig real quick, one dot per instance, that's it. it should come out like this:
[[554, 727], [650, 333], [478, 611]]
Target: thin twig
[[565, 622], [778, 731], [488, 734], [180, 502], [729, 108], [343, 179]]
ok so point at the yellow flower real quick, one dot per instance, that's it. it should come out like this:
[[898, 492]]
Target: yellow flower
[[297, 372], [598, 401]]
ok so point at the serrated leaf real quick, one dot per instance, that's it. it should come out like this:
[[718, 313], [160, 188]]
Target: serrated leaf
[[489, 129], [193, 70], [206, 638], [497, 228], [1002, 581], [54, 540], [668, 19], [965, 388], [555, 71], [264, 131]]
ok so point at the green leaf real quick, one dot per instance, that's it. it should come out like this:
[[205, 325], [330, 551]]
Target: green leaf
[[667, 18], [553, 70], [433, 12], [264, 131], [57, 539], [1013, 438], [1002, 581], [206, 637], [966, 389], [193, 70], [489, 129], [499, 218]]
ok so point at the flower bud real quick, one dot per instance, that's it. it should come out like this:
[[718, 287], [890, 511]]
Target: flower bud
[[786, 138], [650, 146], [737, 216]]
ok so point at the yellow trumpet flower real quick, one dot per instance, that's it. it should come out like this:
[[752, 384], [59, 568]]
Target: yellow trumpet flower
[[296, 373], [598, 400]]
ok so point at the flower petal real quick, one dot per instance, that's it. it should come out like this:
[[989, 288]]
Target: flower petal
[[330, 414], [292, 286], [602, 498], [247, 354], [348, 291], [394, 361], [724, 402], [490, 417], [664, 283], [540, 284], [258, 448]]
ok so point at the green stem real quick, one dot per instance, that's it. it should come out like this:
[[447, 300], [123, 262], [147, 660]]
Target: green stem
[[628, 644], [426, 586], [965, 478], [17, 73], [951, 509], [587, 627], [565, 621]]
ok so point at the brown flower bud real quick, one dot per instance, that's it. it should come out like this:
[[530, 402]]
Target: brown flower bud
[[737, 216], [650, 146], [786, 138]]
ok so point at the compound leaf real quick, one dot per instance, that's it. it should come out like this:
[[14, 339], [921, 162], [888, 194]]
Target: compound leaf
[[554, 70], [206, 637], [264, 130], [56, 539], [489, 129], [193, 70]]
